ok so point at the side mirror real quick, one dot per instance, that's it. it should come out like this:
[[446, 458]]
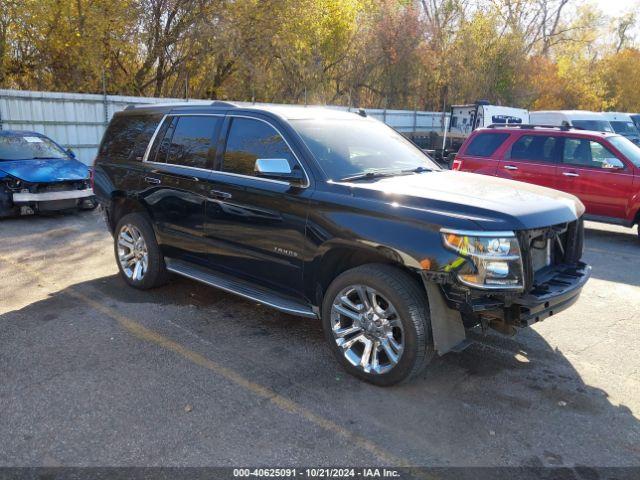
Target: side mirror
[[71, 153], [278, 169], [612, 164]]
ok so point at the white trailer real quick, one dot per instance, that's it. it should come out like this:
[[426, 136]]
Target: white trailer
[[466, 118]]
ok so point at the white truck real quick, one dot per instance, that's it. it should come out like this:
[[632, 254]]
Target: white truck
[[581, 119], [623, 124]]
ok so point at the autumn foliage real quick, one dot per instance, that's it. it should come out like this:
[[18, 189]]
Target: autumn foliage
[[373, 53]]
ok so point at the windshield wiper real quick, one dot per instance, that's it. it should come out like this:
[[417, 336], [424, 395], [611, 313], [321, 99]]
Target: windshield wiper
[[420, 169], [369, 175]]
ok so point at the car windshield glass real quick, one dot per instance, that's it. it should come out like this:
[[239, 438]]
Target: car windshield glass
[[351, 147], [28, 147], [625, 128], [594, 125], [627, 148]]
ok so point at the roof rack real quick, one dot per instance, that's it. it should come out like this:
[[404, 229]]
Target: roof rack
[[563, 128], [214, 103]]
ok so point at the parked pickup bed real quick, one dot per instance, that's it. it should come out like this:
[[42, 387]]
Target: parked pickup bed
[[334, 215]]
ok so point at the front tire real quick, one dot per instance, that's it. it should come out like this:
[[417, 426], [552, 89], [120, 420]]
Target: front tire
[[376, 320], [138, 254]]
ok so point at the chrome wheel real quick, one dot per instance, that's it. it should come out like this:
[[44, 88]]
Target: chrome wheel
[[132, 252], [367, 329]]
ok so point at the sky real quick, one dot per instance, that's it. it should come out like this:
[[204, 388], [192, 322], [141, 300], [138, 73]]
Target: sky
[[617, 7]]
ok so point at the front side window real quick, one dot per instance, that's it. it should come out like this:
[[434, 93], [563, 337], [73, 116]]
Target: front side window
[[485, 144], [29, 147], [249, 140], [347, 147], [587, 153], [536, 148]]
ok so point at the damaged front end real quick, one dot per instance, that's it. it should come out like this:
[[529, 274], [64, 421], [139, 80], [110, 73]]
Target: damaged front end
[[508, 282], [18, 197]]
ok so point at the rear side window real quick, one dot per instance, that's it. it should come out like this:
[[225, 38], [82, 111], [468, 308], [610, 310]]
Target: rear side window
[[485, 144], [187, 140], [192, 143], [249, 140], [127, 136], [536, 148]]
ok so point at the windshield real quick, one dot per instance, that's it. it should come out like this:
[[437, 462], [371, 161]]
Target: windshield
[[348, 147], [625, 128], [594, 125], [28, 147], [627, 148]]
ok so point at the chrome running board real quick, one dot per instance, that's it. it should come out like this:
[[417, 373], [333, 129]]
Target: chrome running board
[[239, 287]]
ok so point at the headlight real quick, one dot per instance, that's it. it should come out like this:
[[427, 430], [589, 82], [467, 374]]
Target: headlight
[[494, 259]]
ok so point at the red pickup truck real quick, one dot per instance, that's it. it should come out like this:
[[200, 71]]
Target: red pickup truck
[[602, 169]]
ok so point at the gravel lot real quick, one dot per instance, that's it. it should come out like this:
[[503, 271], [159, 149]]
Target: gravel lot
[[94, 373]]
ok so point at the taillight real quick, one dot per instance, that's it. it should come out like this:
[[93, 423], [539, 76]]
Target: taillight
[[91, 181], [457, 164]]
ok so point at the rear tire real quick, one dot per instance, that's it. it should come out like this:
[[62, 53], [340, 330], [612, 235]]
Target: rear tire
[[385, 339], [138, 254]]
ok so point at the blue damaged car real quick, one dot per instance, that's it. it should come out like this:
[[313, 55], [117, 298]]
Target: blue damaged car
[[38, 175]]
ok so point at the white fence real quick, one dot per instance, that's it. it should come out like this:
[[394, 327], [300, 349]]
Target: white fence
[[78, 121]]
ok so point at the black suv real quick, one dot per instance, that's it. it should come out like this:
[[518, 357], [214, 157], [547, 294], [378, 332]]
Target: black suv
[[330, 214]]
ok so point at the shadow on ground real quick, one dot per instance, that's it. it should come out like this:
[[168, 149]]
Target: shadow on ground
[[505, 401]]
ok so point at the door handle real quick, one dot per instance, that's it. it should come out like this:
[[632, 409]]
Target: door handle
[[510, 167], [152, 180], [570, 174], [219, 195]]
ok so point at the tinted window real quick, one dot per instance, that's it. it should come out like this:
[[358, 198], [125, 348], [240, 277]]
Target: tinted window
[[624, 128], [485, 144], [540, 148], [586, 153], [249, 140], [595, 125], [192, 142], [128, 135], [163, 142]]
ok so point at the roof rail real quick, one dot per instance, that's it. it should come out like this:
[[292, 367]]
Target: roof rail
[[563, 128], [214, 103]]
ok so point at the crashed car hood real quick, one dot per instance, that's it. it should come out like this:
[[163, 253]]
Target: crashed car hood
[[492, 203], [45, 171]]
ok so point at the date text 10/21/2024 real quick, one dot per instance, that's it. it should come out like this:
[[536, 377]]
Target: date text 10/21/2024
[[316, 472]]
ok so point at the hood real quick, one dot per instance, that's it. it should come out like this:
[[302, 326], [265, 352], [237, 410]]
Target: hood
[[45, 171], [492, 203]]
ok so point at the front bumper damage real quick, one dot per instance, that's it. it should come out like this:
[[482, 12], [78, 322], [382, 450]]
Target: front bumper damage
[[24, 197], [455, 309], [26, 202], [555, 290]]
